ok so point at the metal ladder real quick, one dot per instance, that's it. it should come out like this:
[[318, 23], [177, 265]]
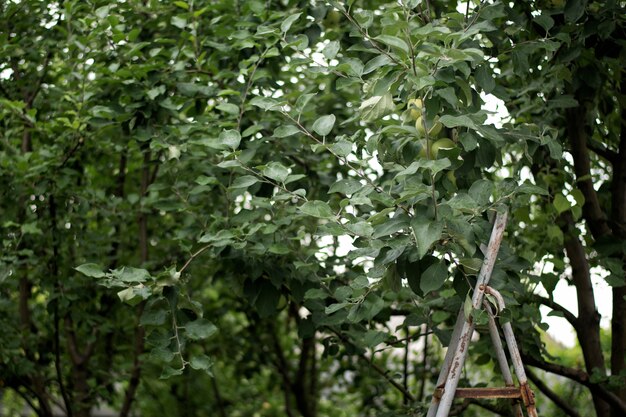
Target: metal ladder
[[446, 389]]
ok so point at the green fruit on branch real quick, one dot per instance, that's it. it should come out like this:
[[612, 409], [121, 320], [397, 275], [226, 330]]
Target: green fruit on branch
[[444, 143], [415, 107], [419, 125], [434, 128]]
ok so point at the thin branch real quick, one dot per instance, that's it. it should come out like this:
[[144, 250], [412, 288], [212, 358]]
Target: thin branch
[[135, 376], [492, 407], [602, 151], [367, 37], [568, 315], [4, 92], [425, 356], [249, 85], [31, 97], [579, 376], [71, 152], [194, 256], [405, 367], [218, 397], [560, 402], [361, 174], [54, 267], [375, 367]]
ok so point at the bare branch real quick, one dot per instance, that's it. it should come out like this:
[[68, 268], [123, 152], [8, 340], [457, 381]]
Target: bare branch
[[560, 402], [568, 315], [602, 151], [579, 376], [375, 367], [33, 94]]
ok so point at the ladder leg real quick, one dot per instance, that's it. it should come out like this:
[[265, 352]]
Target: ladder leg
[[501, 357], [527, 394], [441, 408], [445, 369]]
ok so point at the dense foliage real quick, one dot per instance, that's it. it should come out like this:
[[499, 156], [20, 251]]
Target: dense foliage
[[277, 207]]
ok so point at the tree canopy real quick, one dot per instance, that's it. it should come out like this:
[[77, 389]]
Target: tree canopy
[[263, 208]]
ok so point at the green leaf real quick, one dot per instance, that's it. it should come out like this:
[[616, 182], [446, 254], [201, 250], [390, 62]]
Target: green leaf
[[315, 294], [130, 274], [335, 307], [331, 50], [393, 41], [276, 171], [266, 103], [375, 63], [341, 148], [230, 138], [267, 300], [433, 278], [133, 295], [561, 204], [286, 24], [302, 101], [323, 125], [346, 186], [221, 238], [481, 191], [91, 270], [545, 21], [426, 232], [317, 208], [388, 255], [182, 5], [200, 329], [456, 121], [468, 307], [360, 229], [374, 108], [244, 181], [285, 131], [390, 227], [484, 79], [162, 354], [528, 188], [169, 372], [228, 108], [563, 102], [153, 317], [202, 363], [574, 9], [179, 22]]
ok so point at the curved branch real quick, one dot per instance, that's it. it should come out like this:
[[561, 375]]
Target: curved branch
[[568, 315], [560, 402], [579, 376], [375, 367], [602, 151]]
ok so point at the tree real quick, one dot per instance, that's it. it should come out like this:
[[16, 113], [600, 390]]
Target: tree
[[180, 182]]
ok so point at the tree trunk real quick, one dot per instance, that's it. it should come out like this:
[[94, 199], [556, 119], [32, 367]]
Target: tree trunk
[[588, 317], [618, 219]]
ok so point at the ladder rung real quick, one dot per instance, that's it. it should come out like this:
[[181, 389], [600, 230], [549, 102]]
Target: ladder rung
[[487, 392]]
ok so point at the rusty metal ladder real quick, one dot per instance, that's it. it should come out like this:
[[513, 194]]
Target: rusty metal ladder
[[446, 389]]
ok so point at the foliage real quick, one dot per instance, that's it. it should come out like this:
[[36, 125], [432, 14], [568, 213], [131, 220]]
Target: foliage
[[180, 182]]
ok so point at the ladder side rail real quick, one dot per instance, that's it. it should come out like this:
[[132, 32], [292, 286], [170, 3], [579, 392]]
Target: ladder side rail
[[501, 357], [445, 369], [454, 374], [516, 358]]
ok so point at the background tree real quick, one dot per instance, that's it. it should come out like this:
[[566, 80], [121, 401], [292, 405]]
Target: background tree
[[208, 164]]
